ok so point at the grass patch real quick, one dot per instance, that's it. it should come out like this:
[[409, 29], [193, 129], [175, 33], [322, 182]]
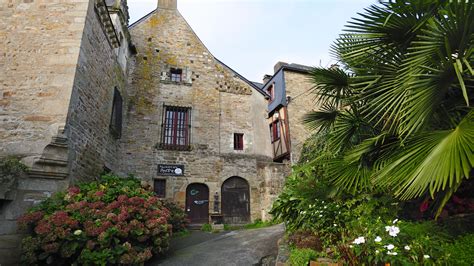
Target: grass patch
[[259, 224], [228, 227], [180, 234]]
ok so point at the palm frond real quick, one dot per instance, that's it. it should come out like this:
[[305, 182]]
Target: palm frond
[[431, 161], [321, 120], [332, 85]]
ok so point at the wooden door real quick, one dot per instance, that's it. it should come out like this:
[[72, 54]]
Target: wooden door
[[197, 203], [236, 201]]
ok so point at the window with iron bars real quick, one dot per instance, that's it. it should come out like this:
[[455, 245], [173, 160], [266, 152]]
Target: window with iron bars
[[176, 128]]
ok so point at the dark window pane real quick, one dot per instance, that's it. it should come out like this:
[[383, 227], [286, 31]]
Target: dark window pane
[[116, 117], [238, 141], [160, 188], [176, 74]]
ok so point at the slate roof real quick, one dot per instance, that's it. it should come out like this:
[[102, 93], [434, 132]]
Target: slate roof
[[258, 84], [297, 68]]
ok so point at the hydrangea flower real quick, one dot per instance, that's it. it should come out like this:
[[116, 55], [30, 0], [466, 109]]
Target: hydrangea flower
[[392, 230], [359, 240]]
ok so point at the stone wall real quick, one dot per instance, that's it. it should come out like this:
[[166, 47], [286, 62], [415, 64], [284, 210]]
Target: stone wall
[[40, 43], [298, 87], [91, 143], [57, 78], [274, 180], [39, 49], [222, 104]]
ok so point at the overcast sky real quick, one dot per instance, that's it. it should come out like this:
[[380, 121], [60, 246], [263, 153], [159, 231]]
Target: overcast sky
[[252, 35]]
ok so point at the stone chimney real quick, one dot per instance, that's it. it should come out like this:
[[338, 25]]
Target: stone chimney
[[168, 4], [278, 65], [266, 78]]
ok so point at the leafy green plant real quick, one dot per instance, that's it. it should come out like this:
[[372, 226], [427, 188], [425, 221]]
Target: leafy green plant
[[301, 257], [397, 242], [206, 228], [178, 219], [112, 221], [10, 169], [397, 110], [461, 251]]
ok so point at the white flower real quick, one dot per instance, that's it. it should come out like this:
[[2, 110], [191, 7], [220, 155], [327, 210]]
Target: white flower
[[377, 252], [320, 215], [395, 221], [390, 246], [359, 240], [351, 246], [378, 239], [77, 232], [335, 225], [392, 230], [407, 248], [325, 207], [426, 256], [392, 253]]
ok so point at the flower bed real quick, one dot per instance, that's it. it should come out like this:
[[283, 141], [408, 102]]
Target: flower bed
[[113, 221]]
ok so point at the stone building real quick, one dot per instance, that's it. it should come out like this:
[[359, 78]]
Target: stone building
[[82, 92]]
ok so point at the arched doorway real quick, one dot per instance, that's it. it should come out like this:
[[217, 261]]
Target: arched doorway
[[197, 203], [236, 201]]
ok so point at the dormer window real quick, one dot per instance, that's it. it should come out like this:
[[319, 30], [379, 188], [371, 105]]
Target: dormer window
[[176, 74]]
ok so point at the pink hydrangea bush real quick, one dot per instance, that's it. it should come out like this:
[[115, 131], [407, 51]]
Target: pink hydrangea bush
[[114, 221]]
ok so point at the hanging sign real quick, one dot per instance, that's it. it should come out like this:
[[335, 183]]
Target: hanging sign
[[170, 169]]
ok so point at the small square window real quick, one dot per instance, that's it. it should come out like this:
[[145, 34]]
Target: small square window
[[159, 188], [238, 141], [176, 74]]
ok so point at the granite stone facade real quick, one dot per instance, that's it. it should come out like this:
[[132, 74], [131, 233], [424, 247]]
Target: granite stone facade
[[221, 103]]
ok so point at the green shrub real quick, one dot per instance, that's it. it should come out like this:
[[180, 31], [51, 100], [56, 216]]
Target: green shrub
[[206, 228], [10, 170], [396, 242], [177, 218], [113, 221], [461, 251], [11, 166], [301, 257]]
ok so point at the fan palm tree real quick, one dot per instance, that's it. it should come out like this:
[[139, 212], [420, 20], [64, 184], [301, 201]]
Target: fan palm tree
[[398, 110]]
